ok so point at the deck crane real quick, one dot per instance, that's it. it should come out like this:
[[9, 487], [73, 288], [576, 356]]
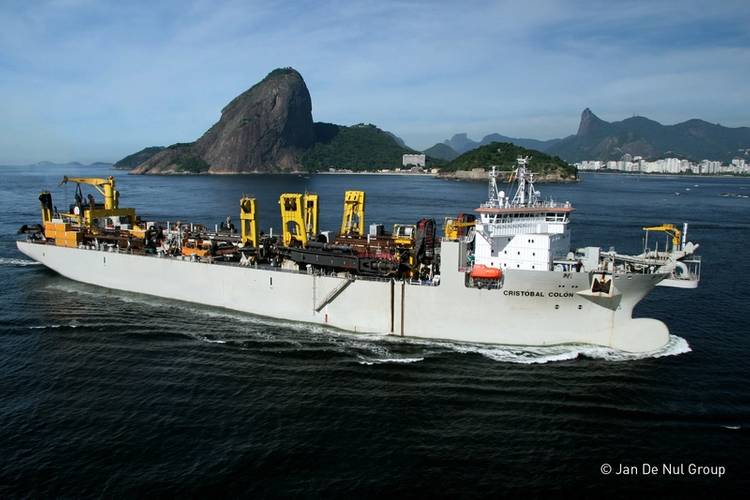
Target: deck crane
[[108, 214], [669, 230]]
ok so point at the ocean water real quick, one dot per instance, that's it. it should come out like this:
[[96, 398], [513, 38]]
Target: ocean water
[[105, 393]]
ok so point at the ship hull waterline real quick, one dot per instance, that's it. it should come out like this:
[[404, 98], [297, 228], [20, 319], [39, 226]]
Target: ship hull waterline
[[532, 308]]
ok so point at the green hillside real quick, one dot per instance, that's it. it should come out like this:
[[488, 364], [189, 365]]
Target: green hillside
[[504, 155], [359, 147]]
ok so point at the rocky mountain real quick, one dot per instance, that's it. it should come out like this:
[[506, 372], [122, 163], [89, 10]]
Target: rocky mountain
[[265, 129], [70, 164], [132, 161], [638, 136], [461, 143], [473, 164], [520, 141], [441, 151]]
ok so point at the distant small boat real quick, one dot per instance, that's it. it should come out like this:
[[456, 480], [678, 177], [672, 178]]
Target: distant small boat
[[677, 193]]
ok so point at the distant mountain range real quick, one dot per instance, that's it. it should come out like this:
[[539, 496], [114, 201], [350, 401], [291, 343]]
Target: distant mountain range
[[270, 128], [460, 143], [597, 139], [638, 136], [70, 164]]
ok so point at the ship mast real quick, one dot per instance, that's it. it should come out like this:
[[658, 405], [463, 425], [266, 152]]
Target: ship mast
[[495, 198], [526, 194]]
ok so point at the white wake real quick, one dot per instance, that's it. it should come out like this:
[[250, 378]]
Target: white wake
[[9, 261]]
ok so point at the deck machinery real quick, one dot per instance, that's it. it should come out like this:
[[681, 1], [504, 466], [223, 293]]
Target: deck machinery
[[407, 252]]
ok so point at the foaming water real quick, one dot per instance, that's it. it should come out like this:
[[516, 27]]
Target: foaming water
[[379, 361], [6, 261]]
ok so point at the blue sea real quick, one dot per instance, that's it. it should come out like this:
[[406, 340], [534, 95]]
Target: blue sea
[[111, 394]]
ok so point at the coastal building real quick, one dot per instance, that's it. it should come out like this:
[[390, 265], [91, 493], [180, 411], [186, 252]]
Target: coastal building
[[413, 160], [666, 166]]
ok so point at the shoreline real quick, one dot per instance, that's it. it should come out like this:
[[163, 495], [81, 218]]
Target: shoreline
[[412, 174], [646, 174]]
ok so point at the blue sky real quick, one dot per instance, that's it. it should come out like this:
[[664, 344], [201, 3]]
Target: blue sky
[[94, 80]]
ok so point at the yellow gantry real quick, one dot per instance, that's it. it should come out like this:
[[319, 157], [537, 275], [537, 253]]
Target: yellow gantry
[[299, 217], [311, 214], [669, 229], [353, 221], [248, 221]]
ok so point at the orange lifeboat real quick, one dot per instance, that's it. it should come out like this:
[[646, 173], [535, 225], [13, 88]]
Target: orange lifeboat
[[480, 271]]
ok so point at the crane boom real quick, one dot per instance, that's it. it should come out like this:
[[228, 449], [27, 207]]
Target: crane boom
[[669, 229], [105, 186]]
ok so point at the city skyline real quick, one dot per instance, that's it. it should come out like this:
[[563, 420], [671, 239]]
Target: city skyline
[[95, 81]]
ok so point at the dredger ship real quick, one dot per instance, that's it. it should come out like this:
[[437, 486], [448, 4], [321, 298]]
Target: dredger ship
[[505, 275]]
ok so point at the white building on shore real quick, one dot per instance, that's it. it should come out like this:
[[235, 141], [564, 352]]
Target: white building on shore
[[666, 166], [414, 160]]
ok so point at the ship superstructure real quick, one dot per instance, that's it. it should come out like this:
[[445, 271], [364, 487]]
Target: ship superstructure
[[522, 232], [507, 276]]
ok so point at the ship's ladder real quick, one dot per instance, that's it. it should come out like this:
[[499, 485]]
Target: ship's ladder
[[334, 293]]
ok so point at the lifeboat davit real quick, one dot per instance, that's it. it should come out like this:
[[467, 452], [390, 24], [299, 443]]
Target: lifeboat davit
[[480, 271]]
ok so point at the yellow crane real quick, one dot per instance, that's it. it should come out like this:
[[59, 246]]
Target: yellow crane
[[453, 227], [95, 215], [105, 186], [670, 230]]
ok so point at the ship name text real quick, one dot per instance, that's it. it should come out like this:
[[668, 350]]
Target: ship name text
[[534, 293]]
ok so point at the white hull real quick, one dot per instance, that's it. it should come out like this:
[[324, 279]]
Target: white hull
[[533, 308]]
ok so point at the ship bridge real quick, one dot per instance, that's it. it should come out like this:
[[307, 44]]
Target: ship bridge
[[524, 232]]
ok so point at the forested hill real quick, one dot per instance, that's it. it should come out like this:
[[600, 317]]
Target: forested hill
[[504, 156]]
